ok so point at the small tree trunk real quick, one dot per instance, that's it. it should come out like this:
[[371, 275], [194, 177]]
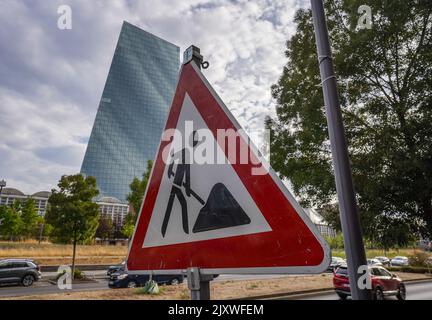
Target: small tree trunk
[[41, 233], [73, 258]]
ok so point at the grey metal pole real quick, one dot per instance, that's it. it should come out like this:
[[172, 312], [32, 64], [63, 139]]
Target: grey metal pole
[[350, 221], [199, 284]]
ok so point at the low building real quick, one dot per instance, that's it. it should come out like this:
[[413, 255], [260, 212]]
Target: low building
[[320, 223], [9, 195], [112, 208], [109, 207]]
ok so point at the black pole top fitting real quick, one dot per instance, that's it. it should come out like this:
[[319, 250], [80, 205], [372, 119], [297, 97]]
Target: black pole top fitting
[[193, 54]]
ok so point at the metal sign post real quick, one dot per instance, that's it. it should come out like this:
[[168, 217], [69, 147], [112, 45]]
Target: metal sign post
[[198, 284], [353, 240]]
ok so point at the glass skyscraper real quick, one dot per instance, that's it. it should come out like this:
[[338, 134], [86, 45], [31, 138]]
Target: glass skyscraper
[[132, 111]]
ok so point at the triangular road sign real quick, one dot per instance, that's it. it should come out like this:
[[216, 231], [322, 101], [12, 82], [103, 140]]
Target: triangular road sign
[[220, 216]]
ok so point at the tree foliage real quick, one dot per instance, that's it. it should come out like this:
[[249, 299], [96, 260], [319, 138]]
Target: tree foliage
[[71, 211], [21, 220], [385, 85], [393, 231], [31, 220], [138, 187], [11, 222], [135, 198], [129, 225], [105, 229]]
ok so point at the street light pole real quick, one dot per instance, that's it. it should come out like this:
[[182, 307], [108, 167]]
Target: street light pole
[[2, 185], [41, 232], [350, 221]]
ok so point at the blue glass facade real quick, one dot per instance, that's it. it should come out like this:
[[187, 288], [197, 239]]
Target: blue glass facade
[[132, 111]]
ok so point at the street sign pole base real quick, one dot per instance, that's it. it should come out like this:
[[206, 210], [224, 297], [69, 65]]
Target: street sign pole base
[[199, 284]]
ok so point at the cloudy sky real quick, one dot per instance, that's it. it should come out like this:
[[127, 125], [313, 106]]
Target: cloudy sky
[[51, 80]]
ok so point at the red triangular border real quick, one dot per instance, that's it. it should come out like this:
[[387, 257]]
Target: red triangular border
[[293, 245]]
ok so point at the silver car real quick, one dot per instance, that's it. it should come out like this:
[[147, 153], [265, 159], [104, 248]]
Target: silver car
[[400, 261]]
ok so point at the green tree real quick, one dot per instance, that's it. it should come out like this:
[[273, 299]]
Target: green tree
[[11, 222], [385, 85], [393, 231], [138, 187], [105, 228], [31, 220], [129, 225], [46, 231], [135, 199], [71, 212]]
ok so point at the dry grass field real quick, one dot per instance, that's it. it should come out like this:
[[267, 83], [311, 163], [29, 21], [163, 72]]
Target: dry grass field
[[55, 254], [372, 253]]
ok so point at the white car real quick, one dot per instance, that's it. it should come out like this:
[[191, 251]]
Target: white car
[[399, 261], [374, 262], [336, 262], [383, 260]]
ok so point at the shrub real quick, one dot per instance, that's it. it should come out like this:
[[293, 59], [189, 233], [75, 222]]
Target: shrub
[[409, 269], [335, 242], [78, 274], [252, 286], [418, 259]]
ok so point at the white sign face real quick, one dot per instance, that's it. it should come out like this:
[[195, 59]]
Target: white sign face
[[199, 202]]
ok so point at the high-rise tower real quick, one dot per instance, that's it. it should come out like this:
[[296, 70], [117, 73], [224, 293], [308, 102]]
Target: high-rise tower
[[132, 110]]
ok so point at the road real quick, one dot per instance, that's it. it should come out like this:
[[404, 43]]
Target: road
[[101, 283], [415, 291], [44, 287]]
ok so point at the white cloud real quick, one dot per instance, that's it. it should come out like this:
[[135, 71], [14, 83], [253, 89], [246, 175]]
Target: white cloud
[[51, 80]]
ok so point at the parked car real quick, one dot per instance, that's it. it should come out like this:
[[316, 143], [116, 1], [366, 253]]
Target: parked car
[[384, 260], [399, 261], [116, 268], [19, 271], [384, 283], [374, 262], [124, 280], [335, 262]]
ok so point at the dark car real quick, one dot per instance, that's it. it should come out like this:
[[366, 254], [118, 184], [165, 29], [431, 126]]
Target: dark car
[[384, 283], [116, 268], [19, 271], [124, 280]]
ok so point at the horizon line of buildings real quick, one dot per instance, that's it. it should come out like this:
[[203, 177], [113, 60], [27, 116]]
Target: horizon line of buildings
[[116, 210], [109, 207]]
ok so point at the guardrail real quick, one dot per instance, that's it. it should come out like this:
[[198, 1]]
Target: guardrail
[[82, 267]]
